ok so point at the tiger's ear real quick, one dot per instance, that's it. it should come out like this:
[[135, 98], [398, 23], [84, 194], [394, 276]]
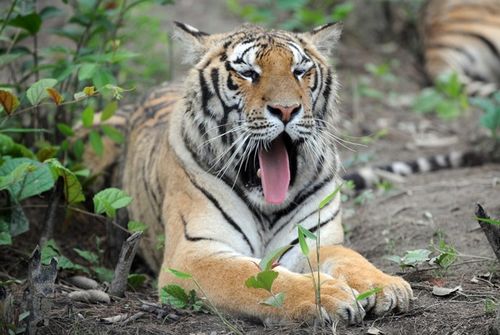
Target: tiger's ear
[[193, 40], [325, 37]]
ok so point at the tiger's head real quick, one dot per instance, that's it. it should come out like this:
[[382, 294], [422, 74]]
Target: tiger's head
[[260, 108]]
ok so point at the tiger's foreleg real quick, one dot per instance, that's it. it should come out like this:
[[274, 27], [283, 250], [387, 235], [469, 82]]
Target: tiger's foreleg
[[222, 278], [347, 265]]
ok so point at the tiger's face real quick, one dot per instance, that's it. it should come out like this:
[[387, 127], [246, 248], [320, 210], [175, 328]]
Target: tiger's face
[[268, 102]]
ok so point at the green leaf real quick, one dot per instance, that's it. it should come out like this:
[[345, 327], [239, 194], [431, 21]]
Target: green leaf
[[263, 279], [427, 101], [87, 71], [65, 129], [136, 280], [415, 257], [89, 256], [49, 12], [368, 293], [103, 274], [306, 232], [135, 226], [88, 117], [15, 176], [330, 197], [179, 274], [38, 91], [341, 11], [19, 223], [73, 191], [5, 237], [490, 221], [113, 133], [275, 301], [78, 149], [109, 200], [37, 179], [304, 248], [109, 110], [102, 78], [49, 251], [96, 142], [31, 22], [175, 296], [267, 262], [65, 263]]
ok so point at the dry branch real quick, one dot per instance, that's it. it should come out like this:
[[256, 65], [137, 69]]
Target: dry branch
[[491, 231], [122, 270]]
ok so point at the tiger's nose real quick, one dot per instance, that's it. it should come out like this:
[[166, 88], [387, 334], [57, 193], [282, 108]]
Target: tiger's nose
[[284, 113]]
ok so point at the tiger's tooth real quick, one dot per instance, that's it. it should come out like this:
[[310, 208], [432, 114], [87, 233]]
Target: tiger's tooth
[[258, 173]]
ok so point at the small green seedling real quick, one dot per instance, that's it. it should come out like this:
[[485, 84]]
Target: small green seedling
[[447, 255], [412, 258], [491, 117], [447, 98], [210, 305], [266, 277], [177, 297]]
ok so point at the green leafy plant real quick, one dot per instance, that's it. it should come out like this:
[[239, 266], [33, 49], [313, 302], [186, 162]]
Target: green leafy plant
[[491, 117], [447, 98], [211, 306], [177, 297], [266, 277], [447, 254], [299, 15], [412, 258]]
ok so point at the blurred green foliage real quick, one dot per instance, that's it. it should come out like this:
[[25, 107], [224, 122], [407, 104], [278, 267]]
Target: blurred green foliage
[[294, 15], [61, 64], [447, 98]]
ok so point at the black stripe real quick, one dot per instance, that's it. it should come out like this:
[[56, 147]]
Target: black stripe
[[205, 94], [224, 214], [301, 197], [414, 166], [491, 46], [191, 238], [461, 50]]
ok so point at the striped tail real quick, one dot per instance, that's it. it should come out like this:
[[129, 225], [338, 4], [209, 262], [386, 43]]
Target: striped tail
[[367, 177]]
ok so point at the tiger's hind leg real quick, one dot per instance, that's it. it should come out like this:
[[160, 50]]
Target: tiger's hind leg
[[349, 266]]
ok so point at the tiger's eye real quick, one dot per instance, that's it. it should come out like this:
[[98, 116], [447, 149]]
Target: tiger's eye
[[250, 74], [298, 72]]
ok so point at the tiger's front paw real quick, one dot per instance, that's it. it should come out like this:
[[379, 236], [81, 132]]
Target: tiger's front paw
[[338, 302], [394, 293]]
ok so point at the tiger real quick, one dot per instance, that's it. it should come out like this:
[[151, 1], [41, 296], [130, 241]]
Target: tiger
[[228, 164], [463, 36]]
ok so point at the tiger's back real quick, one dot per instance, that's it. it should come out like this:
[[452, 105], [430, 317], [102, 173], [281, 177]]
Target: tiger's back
[[463, 36]]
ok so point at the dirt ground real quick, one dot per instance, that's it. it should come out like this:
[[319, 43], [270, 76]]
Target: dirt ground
[[409, 216]]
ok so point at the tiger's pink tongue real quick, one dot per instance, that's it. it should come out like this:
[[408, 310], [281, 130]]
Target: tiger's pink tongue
[[275, 171]]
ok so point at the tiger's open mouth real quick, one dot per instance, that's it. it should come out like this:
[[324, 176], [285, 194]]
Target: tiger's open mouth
[[273, 168]]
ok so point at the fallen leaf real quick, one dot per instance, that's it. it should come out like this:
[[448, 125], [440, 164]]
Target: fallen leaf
[[444, 291]]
